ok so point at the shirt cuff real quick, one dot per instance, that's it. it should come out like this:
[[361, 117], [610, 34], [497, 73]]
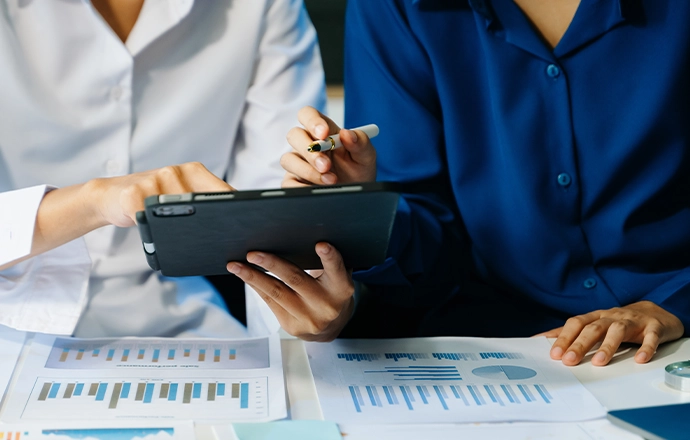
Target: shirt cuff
[[18, 220]]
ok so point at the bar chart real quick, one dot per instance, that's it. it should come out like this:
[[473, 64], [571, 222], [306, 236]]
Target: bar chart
[[445, 380], [417, 372], [126, 353], [444, 397], [111, 434], [441, 356], [210, 398], [91, 431]]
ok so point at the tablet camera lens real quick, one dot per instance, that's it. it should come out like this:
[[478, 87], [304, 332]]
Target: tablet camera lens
[[173, 211]]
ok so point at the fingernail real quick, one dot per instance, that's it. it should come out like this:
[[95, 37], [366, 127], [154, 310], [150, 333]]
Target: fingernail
[[641, 357], [556, 352], [324, 249], [353, 135], [321, 164], [328, 178], [319, 129], [234, 268], [256, 258], [570, 356], [599, 358]]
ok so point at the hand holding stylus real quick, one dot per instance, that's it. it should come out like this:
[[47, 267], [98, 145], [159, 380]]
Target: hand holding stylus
[[354, 160]]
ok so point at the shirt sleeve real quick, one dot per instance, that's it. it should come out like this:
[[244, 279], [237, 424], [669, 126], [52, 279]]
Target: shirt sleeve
[[389, 81], [288, 76], [674, 297], [46, 293]]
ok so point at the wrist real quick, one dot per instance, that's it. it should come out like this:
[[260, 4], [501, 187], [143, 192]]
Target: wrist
[[91, 195]]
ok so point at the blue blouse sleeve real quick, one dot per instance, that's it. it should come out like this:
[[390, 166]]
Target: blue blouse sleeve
[[389, 81]]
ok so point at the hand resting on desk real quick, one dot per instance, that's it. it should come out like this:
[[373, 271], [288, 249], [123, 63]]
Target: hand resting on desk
[[642, 323]]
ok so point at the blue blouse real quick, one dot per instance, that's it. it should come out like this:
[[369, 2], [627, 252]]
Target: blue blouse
[[561, 177]]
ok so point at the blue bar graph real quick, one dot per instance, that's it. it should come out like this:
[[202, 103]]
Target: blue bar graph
[[388, 395], [501, 355], [359, 357], [441, 397], [100, 394], [409, 356], [543, 393], [354, 399], [406, 396], [68, 353], [455, 356], [109, 398], [457, 392], [148, 394], [54, 391], [422, 394], [419, 372], [478, 399], [526, 393], [510, 394], [244, 395], [172, 394]]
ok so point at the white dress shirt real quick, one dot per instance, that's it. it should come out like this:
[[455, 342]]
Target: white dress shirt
[[219, 82]]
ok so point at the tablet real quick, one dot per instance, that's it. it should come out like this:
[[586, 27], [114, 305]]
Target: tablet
[[199, 233]]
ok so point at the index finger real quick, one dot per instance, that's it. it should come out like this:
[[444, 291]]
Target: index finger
[[318, 125]]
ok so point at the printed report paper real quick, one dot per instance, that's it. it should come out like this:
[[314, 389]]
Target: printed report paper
[[228, 380], [92, 431], [446, 380]]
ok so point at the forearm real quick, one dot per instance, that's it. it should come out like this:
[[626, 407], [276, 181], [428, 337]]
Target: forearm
[[63, 215]]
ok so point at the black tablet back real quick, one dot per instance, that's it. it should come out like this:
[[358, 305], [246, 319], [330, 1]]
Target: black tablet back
[[198, 234]]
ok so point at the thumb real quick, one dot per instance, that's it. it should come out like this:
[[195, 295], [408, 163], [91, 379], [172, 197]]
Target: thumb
[[334, 270]]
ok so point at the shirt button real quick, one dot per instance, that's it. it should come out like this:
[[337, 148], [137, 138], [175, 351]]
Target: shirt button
[[112, 166], [589, 283], [116, 93], [553, 71], [564, 179]]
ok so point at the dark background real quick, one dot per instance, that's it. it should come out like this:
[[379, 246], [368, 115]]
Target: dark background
[[328, 17]]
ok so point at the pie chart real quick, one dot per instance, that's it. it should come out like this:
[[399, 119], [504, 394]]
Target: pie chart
[[503, 372]]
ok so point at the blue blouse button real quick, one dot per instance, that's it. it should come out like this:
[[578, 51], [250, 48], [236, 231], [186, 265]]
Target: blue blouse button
[[564, 179], [553, 71], [589, 283]]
